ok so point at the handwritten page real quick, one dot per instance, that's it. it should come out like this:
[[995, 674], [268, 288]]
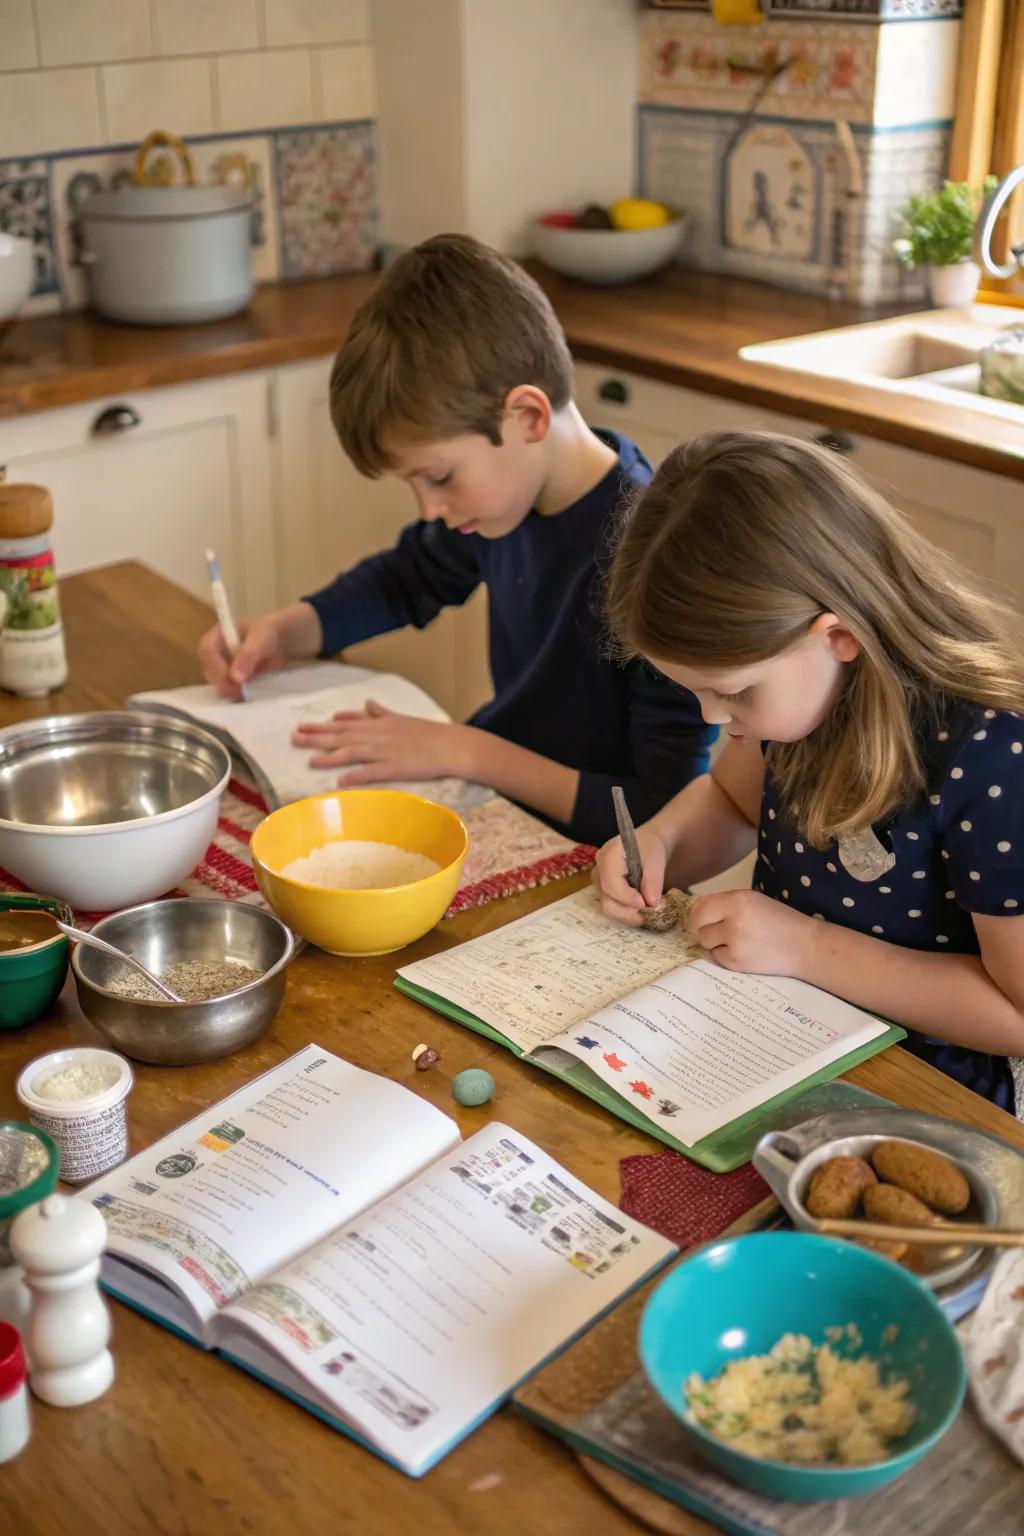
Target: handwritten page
[[534, 978], [701, 1046], [253, 1180], [261, 731], [415, 1320]]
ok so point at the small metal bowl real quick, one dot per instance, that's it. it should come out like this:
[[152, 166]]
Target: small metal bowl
[[780, 1156], [162, 934]]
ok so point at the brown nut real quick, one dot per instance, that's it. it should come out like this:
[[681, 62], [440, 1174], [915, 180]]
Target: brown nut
[[926, 1174], [837, 1186], [896, 1207], [897, 1251]]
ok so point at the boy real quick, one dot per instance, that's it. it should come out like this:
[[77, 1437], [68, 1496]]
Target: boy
[[456, 376]]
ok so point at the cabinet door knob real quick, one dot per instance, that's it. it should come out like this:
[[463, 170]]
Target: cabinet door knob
[[116, 418], [837, 441], [615, 390]]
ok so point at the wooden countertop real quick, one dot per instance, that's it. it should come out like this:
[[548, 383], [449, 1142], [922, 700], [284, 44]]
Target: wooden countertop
[[182, 1443], [682, 326]]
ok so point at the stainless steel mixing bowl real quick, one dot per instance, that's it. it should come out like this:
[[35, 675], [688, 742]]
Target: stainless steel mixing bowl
[[162, 934], [107, 809]]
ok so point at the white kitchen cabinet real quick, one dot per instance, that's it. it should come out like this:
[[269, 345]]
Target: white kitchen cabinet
[[974, 515], [159, 475], [331, 516]]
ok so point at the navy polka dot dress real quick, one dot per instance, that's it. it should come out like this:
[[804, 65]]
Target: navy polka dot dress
[[959, 850]]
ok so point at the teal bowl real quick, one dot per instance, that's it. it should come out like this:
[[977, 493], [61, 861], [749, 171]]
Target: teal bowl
[[739, 1297], [31, 979]]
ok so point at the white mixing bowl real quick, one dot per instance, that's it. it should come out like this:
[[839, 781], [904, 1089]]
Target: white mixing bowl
[[107, 810]]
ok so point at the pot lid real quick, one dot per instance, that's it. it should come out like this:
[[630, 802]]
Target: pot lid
[[153, 204]]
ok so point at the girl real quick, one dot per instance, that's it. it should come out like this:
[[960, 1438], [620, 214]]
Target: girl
[[876, 760]]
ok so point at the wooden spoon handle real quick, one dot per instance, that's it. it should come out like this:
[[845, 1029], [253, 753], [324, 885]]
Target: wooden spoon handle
[[939, 1235]]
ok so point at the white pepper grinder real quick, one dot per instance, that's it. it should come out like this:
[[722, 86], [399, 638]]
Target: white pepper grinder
[[58, 1245]]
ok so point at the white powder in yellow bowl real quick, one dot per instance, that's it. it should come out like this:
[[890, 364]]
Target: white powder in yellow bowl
[[804, 1404], [354, 865]]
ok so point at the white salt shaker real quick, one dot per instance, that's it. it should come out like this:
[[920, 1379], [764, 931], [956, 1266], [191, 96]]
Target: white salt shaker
[[15, 1424], [58, 1245]]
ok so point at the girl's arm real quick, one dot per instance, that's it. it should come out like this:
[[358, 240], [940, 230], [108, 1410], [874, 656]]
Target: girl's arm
[[707, 828], [968, 1000]]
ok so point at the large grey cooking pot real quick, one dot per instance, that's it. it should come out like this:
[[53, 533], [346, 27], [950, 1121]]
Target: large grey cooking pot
[[168, 255]]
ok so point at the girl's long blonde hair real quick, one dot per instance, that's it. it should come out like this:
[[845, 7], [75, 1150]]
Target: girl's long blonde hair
[[739, 543]]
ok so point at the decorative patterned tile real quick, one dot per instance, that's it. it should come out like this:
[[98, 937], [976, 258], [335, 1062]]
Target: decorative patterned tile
[[896, 164], [227, 162], [691, 61], [75, 179], [25, 210], [865, 10], [766, 200], [327, 199], [916, 73]]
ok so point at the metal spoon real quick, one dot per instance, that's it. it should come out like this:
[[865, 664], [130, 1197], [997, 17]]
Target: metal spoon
[[93, 942]]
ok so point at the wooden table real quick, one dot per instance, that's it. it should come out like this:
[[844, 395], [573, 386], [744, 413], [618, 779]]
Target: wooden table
[[183, 1445]]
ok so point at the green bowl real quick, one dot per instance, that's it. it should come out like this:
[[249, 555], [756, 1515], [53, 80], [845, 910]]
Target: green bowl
[[31, 979], [739, 1296]]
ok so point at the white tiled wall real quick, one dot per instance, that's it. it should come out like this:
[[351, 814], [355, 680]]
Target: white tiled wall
[[190, 66]]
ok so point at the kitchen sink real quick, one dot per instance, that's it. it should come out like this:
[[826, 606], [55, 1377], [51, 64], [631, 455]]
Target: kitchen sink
[[933, 356]]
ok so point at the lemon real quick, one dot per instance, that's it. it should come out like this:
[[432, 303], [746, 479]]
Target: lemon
[[638, 213]]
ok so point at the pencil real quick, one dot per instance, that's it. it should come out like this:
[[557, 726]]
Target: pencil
[[225, 618]]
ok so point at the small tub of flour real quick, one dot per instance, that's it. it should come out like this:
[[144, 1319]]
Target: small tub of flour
[[78, 1097], [354, 865]]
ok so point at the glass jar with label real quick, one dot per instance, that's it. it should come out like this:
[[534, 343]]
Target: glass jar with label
[[32, 658]]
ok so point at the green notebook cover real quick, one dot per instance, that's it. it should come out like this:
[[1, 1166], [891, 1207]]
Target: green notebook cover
[[724, 1149]]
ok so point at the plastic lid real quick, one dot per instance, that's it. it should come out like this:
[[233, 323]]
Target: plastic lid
[[12, 1360], [60, 1233]]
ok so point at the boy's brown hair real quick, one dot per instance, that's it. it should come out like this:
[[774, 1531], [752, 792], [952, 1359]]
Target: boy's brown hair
[[741, 540], [434, 350]]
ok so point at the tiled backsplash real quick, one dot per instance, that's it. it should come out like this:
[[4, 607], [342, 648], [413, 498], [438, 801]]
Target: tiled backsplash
[[279, 90], [773, 186]]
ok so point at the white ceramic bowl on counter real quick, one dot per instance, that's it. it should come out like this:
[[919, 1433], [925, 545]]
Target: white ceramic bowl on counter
[[110, 809], [608, 256]]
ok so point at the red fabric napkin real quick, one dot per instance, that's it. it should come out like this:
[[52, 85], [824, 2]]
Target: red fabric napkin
[[684, 1202]]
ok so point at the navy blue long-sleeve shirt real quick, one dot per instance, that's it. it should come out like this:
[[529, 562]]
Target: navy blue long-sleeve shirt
[[556, 690]]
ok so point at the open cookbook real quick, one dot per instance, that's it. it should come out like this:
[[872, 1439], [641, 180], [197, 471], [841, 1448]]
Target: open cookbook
[[647, 1025], [259, 732], [327, 1230]]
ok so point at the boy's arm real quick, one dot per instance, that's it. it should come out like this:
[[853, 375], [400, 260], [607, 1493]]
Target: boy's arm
[[428, 569], [669, 745]]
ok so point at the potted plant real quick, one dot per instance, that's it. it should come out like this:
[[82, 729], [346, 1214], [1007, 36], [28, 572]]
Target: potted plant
[[938, 234]]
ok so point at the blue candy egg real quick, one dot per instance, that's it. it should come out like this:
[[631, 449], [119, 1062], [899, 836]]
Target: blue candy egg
[[473, 1086]]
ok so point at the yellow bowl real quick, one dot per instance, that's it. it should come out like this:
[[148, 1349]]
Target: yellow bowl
[[360, 922]]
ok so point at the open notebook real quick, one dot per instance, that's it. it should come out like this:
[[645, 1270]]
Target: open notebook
[[260, 732], [327, 1229], [646, 1024]]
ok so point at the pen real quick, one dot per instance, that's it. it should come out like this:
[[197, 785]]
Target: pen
[[224, 616]]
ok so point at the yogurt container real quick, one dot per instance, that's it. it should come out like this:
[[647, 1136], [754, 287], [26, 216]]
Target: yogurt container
[[87, 1120]]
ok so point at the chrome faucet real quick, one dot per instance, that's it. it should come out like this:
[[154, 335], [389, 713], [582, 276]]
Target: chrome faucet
[[994, 206]]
